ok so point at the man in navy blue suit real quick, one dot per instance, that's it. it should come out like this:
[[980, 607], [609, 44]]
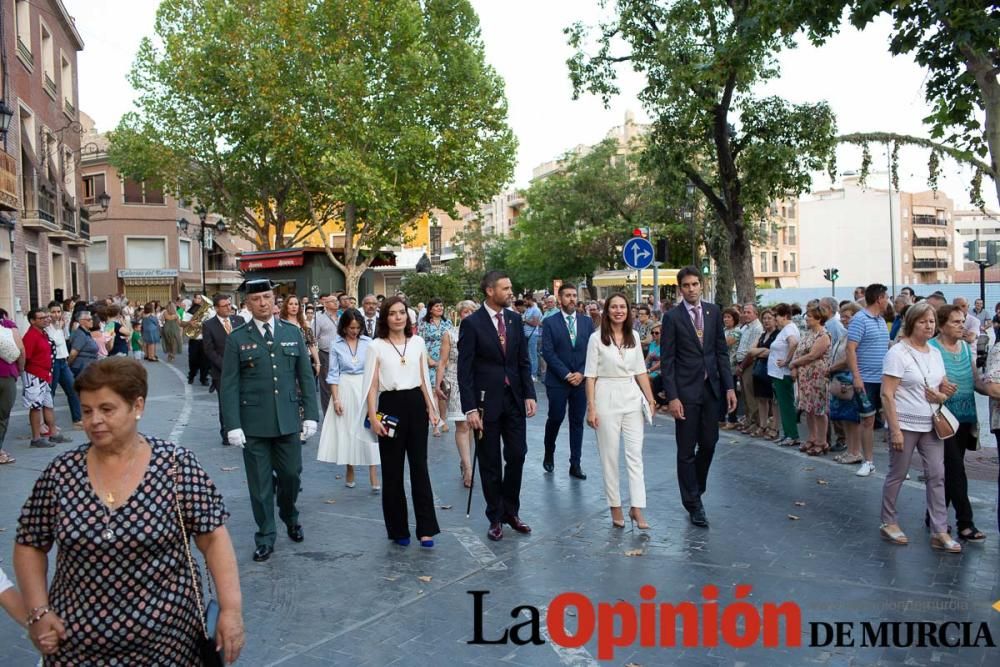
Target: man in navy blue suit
[[498, 394], [694, 365], [564, 348]]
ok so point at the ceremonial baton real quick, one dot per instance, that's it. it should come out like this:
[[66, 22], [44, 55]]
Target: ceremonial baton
[[475, 453]]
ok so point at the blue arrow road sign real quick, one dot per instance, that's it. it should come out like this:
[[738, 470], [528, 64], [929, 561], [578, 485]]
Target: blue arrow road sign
[[638, 253]]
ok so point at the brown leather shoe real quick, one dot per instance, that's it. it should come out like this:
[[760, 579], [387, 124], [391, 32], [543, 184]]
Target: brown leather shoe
[[495, 532], [514, 522]]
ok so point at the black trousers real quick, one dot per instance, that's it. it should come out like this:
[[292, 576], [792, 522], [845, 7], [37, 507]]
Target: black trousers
[[559, 396], [696, 436], [410, 442], [956, 484], [197, 361], [501, 481]]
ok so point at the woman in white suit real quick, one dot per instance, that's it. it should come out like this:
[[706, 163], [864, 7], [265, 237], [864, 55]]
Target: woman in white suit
[[619, 399]]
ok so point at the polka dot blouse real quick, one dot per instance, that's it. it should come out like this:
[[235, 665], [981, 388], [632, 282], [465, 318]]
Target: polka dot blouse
[[127, 600]]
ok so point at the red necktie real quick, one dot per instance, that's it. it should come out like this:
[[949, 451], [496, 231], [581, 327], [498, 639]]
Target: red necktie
[[502, 330]]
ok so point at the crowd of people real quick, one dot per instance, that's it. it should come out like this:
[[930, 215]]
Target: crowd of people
[[377, 382]]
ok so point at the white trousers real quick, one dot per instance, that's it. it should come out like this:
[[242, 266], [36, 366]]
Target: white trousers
[[612, 428]]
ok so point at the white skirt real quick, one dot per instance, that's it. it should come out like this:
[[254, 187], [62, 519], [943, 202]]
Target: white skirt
[[344, 439]]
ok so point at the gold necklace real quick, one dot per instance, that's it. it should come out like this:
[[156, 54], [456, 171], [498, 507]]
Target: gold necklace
[[402, 355]]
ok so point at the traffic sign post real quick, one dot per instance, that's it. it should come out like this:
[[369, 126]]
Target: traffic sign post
[[638, 255]]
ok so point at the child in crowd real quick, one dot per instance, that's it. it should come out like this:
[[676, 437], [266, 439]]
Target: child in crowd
[[136, 340]]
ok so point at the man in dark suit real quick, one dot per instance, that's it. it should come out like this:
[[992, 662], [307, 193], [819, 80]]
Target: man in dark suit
[[494, 378], [694, 365], [564, 348], [214, 333]]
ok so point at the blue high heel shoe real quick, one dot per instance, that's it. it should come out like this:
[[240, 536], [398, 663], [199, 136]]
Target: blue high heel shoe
[[402, 541], [427, 543]]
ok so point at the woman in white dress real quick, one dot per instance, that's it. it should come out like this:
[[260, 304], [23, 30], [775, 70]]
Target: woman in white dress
[[447, 390], [344, 439], [619, 398]]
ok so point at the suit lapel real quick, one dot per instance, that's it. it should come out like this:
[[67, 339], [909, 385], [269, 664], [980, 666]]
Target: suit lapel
[[706, 322]]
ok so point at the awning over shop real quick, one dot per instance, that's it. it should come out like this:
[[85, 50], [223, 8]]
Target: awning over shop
[[622, 278], [276, 259]]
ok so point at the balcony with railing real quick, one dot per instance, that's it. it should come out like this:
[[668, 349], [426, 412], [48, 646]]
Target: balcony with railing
[[43, 215], [70, 109], [25, 53], [8, 182], [82, 236], [925, 219], [50, 85], [930, 264], [930, 243]]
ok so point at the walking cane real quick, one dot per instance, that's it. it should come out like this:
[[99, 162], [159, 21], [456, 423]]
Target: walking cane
[[475, 455]]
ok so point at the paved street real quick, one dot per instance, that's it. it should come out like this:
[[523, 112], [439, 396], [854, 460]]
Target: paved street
[[348, 596]]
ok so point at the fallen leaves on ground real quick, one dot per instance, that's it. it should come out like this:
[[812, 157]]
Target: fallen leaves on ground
[[331, 501], [799, 503], [793, 517], [822, 482], [444, 507], [390, 578], [425, 578], [635, 552], [229, 468]]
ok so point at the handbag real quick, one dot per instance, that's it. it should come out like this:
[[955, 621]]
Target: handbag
[[207, 614], [841, 390], [446, 389], [944, 422], [8, 347], [760, 369]]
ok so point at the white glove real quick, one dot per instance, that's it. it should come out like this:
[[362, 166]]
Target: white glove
[[309, 429], [236, 437]]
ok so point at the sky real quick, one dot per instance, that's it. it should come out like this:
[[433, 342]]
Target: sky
[[867, 88]]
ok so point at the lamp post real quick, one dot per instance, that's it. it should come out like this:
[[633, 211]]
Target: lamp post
[[689, 214], [205, 238], [6, 115]]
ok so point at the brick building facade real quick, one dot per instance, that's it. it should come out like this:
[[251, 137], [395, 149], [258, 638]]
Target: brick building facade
[[48, 260]]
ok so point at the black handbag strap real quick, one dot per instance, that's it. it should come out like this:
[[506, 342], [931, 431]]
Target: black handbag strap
[[174, 472]]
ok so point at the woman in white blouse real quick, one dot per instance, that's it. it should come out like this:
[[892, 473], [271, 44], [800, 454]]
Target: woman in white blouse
[[912, 390], [618, 399], [398, 388], [344, 439]]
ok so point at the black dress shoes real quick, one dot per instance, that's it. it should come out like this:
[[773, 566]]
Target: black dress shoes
[[698, 518], [577, 471], [295, 533], [495, 532], [262, 553], [547, 463], [514, 522]]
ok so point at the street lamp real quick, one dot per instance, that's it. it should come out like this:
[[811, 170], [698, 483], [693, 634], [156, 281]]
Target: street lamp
[[6, 115], [206, 240], [104, 200]]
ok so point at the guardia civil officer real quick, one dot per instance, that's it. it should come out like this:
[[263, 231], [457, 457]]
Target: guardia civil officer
[[265, 370]]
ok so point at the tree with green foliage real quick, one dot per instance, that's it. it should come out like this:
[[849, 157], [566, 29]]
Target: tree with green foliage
[[387, 110], [422, 287], [702, 60], [579, 217], [958, 41]]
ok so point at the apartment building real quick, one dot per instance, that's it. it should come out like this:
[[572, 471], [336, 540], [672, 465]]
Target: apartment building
[[43, 254], [973, 225], [776, 253], [147, 244]]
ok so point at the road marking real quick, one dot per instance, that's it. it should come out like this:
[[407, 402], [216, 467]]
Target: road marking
[[182, 419], [478, 549], [567, 656]]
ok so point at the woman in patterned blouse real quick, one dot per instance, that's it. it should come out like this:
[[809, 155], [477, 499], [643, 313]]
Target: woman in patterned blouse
[[109, 508]]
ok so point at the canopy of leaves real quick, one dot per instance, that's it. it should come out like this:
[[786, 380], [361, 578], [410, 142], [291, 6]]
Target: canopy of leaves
[[422, 287], [368, 112], [702, 60], [578, 217]]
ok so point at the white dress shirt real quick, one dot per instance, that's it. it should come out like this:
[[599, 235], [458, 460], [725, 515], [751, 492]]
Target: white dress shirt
[[260, 326]]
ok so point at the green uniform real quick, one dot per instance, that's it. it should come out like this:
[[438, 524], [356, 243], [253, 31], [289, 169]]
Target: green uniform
[[262, 386]]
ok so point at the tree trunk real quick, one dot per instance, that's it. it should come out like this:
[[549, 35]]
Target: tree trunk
[[981, 67], [718, 249], [741, 258]]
